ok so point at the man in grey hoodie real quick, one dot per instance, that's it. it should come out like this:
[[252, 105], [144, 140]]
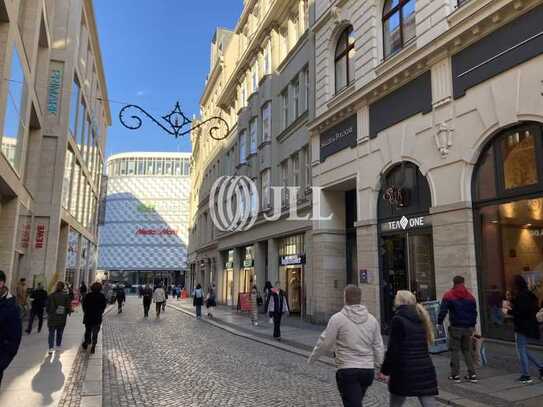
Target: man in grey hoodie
[[359, 350]]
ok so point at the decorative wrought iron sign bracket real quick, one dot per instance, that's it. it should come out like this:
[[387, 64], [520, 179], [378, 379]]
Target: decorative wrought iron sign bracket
[[174, 123]]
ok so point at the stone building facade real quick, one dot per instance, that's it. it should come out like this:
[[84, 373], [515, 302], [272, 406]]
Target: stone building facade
[[259, 82], [432, 123], [54, 117]]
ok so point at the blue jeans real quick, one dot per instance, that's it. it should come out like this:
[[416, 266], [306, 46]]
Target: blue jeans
[[199, 311], [524, 356], [59, 331]]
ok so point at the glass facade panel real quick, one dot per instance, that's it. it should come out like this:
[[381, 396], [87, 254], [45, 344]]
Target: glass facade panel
[[66, 182], [74, 104], [519, 159], [13, 129]]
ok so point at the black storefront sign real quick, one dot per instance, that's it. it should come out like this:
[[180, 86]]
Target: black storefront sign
[[412, 98], [248, 263], [505, 48], [339, 137], [229, 265], [292, 260], [405, 223]]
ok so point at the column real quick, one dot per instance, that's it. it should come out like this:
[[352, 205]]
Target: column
[[219, 279], [260, 264], [368, 260], [273, 261], [8, 228], [237, 269]]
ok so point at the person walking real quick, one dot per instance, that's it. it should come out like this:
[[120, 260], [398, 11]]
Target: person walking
[[21, 295], [355, 335], [147, 295], [277, 306], [211, 301], [58, 309], [166, 295], [408, 367], [198, 300], [523, 309], [94, 305], [38, 299], [159, 296], [254, 306], [82, 291], [120, 297], [461, 307], [10, 326]]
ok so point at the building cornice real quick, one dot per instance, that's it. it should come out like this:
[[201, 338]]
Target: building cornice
[[484, 17]]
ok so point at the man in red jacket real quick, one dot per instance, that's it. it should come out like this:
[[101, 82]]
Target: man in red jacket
[[461, 306]]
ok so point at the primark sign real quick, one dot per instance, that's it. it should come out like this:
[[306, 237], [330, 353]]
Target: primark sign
[[406, 223]]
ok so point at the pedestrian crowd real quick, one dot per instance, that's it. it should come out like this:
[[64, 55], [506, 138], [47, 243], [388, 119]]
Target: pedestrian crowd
[[353, 334]]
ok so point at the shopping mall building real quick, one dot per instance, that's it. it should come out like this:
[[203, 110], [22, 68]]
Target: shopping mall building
[[144, 223]]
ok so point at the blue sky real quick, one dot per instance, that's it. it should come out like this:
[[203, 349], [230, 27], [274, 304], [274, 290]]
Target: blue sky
[[156, 52]]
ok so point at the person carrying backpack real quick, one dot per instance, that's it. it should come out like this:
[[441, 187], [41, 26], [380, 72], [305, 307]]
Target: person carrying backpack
[[198, 301]]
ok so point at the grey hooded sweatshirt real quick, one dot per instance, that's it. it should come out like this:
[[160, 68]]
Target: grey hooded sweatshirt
[[356, 336]]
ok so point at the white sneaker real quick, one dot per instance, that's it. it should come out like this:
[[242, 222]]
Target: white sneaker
[[51, 350]]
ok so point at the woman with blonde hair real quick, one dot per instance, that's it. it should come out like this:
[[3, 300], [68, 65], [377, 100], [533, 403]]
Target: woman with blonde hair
[[408, 367]]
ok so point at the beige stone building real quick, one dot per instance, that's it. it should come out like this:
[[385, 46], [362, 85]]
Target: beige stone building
[[54, 118], [259, 82], [430, 112]]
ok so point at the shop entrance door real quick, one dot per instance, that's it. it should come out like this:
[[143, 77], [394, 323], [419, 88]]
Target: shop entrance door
[[407, 264], [294, 289]]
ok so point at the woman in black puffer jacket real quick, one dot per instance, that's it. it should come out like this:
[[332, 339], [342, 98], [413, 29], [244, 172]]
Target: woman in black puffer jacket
[[408, 367]]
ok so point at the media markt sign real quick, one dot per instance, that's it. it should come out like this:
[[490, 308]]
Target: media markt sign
[[405, 223]]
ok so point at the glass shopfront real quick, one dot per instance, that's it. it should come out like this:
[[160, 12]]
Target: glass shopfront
[[508, 211], [291, 271], [406, 240], [247, 276], [228, 283]]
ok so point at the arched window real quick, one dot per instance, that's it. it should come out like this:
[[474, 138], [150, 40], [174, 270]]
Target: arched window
[[398, 24], [507, 194], [344, 59]]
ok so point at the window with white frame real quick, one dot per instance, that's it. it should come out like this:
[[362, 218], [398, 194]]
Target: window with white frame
[[267, 59], [295, 88], [284, 182], [254, 75], [306, 88], [344, 59], [265, 183], [295, 159], [244, 94], [243, 146], [307, 167], [266, 122], [284, 108], [253, 129], [253, 197]]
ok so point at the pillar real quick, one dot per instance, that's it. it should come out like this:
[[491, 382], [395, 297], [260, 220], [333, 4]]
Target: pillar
[[273, 261], [260, 264]]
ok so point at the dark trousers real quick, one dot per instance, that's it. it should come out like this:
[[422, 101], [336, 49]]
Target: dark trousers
[[158, 308], [277, 324], [146, 306], [91, 334], [353, 384], [58, 330], [35, 313], [119, 306], [460, 341]]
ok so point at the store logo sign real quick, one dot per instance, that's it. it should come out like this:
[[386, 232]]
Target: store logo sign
[[406, 223], [292, 260], [156, 232]]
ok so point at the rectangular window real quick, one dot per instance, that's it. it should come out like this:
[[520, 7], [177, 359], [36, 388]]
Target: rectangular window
[[150, 166], [186, 167], [284, 182], [266, 122], [306, 88], [253, 127], [296, 169], [13, 119], [284, 109], [168, 167], [159, 167], [74, 189], [244, 94], [307, 162], [295, 86], [243, 146], [123, 166], [265, 179], [80, 130], [74, 104], [66, 182], [267, 59], [141, 166], [177, 165], [255, 76], [131, 168]]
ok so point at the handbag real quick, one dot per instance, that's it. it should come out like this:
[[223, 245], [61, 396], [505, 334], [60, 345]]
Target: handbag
[[539, 316]]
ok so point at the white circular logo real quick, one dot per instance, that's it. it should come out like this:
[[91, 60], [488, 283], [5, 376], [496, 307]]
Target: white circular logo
[[233, 203]]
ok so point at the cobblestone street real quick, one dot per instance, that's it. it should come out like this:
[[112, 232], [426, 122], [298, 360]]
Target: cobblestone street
[[178, 361]]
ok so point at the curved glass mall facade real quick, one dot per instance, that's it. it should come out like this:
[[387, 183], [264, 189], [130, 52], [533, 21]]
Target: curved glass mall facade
[[143, 230]]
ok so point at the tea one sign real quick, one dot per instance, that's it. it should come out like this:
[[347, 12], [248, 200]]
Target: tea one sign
[[406, 224]]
